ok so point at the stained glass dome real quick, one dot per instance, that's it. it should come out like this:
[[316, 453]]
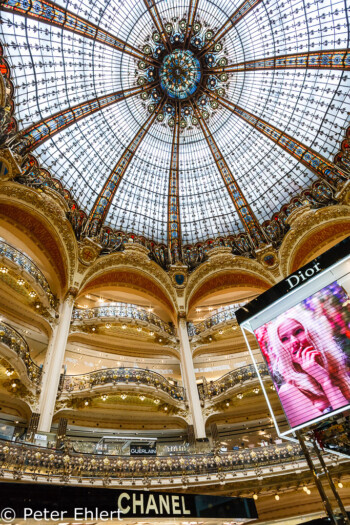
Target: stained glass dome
[[253, 113], [180, 74]]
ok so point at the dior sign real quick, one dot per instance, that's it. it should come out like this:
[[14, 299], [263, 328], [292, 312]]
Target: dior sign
[[302, 276], [337, 254]]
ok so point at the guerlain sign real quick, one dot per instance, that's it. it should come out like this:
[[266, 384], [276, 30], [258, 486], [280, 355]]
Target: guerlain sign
[[142, 450]]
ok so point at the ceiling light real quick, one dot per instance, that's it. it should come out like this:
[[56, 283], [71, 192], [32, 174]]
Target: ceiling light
[[86, 403], [151, 333], [255, 496], [9, 372], [124, 326], [14, 385], [277, 497], [21, 282], [142, 398], [139, 328], [104, 397], [157, 401], [256, 390], [160, 339], [221, 332], [240, 395], [93, 328], [340, 485], [123, 396], [3, 269], [227, 404], [32, 294]]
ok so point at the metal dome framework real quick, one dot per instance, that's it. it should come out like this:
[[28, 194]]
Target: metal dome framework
[[272, 132]]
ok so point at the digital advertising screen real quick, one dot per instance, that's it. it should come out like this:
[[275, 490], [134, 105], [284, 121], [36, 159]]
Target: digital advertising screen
[[307, 351]]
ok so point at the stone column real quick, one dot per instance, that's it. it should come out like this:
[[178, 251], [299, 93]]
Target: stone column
[[189, 379], [53, 363]]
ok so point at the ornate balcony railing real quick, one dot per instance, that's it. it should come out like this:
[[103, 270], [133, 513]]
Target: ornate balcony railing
[[23, 261], [124, 311], [12, 339], [229, 380], [115, 376], [23, 458], [227, 314]]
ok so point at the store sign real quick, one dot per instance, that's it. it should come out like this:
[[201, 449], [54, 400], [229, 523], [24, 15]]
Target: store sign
[[301, 276], [324, 261], [142, 450], [59, 503]]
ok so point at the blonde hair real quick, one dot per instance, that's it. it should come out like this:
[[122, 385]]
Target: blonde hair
[[319, 332]]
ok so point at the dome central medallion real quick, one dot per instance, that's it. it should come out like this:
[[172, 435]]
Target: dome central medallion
[[180, 74]]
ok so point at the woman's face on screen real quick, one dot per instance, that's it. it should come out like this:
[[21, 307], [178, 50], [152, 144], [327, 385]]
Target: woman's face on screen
[[292, 335]]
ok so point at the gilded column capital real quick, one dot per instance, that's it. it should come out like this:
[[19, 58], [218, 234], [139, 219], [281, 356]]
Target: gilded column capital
[[71, 295]]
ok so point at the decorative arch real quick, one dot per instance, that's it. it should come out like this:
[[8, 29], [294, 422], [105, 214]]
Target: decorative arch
[[132, 268], [225, 272], [313, 233], [39, 217], [133, 279]]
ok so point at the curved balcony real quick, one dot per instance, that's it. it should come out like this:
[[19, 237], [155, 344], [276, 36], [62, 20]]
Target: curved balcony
[[115, 376], [123, 311], [227, 314], [25, 263], [231, 379], [16, 343], [22, 458]]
